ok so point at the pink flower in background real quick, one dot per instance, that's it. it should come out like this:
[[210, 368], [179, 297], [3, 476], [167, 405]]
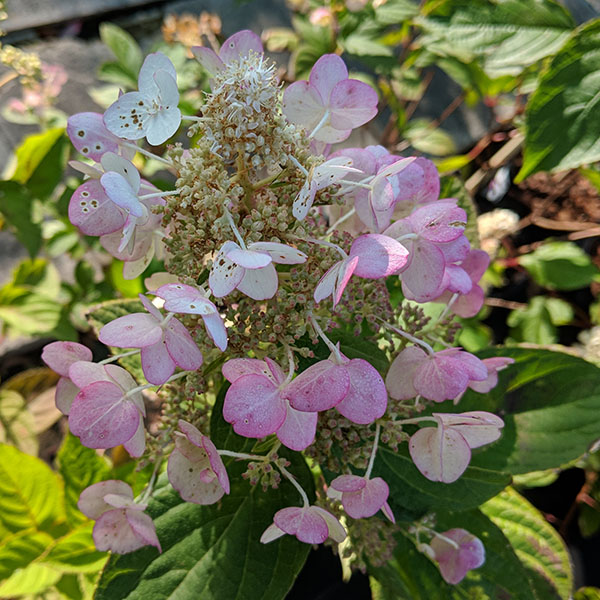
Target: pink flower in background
[[455, 562], [152, 111], [310, 524], [329, 105], [121, 525], [195, 468]]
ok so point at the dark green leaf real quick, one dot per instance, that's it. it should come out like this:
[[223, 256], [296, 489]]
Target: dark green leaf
[[560, 266], [16, 206], [564, 108], [550, 403]]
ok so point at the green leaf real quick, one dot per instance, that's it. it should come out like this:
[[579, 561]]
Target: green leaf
[[212, 552], [587, 593], [537, 323], [80, 467], [565, 105], [535, 541], [30, 493], [412, 493], [28, 312], [394, 12], [114, 72], [16, 206], [412, 576], [33, 579], [17, 425], [128, 288], [425, 137], [124, 47], [75, 552], [504, 35], [49, 172], [560, 266], [550, 403], [33, 151], [364, 45], [20, 549]]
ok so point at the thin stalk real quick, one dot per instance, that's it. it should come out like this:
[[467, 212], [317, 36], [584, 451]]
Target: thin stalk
[[301, 491], [118, 356], [319, 124], [373, 452], [147, 153], [332, 347], [340, 221], [408, 336]]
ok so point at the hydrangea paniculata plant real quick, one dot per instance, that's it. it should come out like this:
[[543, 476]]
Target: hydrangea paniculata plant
[[268, 285]]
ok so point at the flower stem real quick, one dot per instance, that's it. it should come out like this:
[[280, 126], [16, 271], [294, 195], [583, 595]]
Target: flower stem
[[332, 347], [235, 230], [147, 153], [327, 244], [319, 125], [340, 221], [118, 356], [292, 479], [159, 195], [408, 336], [242, 455], [373, 452]]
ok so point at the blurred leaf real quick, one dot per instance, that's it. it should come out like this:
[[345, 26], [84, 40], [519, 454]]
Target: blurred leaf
[[27, 312], [31, 495], [16, 422], [21, 549], [37, 275], [505, 35], [475, 336], [536, 543], [33, 151], [560, 266], [128, 288], [427, 138], [49, 172], [587, 593], [588, 520], [536, 479], [279, 39], [452, 163], [363, 45], [564, 104], [80, 467], [75, 552], [16, 206], [537, 323], [114, 72], [393, 12], [124, 47], [32, 579]]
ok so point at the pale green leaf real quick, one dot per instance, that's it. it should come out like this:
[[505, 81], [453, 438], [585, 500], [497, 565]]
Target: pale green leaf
[[124, 47], [30, 580], [75, 552]]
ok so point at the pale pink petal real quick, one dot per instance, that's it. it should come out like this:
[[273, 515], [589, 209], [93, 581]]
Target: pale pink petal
[[153, 63], [302, 105], [348, 483], [181, 347], [59, 356], [185, 476], [259, 284], [65, 393], [457, 250], [113, 531], [82, 373], [378, 256], [366, 399], [440, 454], [122, 378], [143, 526], [366, 501], [468, 305], [93, 212], [476, 263], [298, 430], [225, 275], [276, 371], [136, 110], [248, 259], [91, 501], [120, 501], [157, 363], [440, 378], [455, 562], [493, 365], [353, 103], [136, 330], [216, 330], [335, 529], [89, 135], [254, 406], [112, 244], [137, 444], [326, 285], [101, 417], [439, 221], [280, 253], [180, 298], [208, 59], [320, 387], [431, 187], [328, 71], [423, 279], [305, 523], [399, 380], [478, 428], [239, 46], [272, 532], [235, 368], [387, 511], [409, 183], [216, 463], [456, 280], [346, 271], [153, 310]]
